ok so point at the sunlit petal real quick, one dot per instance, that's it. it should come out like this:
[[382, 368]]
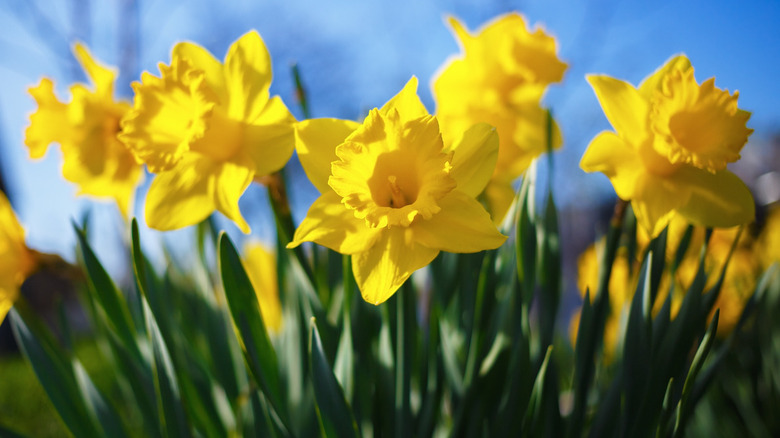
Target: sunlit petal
[[384, 267], [474, 158], [330, 224], [462, 225], [315, 143]]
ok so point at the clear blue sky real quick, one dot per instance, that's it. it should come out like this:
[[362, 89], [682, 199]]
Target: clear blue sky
[[353, 56]]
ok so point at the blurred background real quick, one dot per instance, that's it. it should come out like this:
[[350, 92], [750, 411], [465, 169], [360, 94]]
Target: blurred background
[[353, 56]]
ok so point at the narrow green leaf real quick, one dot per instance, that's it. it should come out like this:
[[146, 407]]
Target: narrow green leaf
[[525, 232], [114, 306], [333, 411], [591, 329], [549, 271], [105, 414], [666, 410], [54, 374], [533, 413], [683, 408], [166, 385], [248, 321], [637, 348]]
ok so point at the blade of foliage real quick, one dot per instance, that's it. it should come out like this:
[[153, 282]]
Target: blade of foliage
[[683, 408], [54, 374], [336, 419], [105, 414], [591, 327], [637, 352], [106, 294], [245, 312], [166, 385]]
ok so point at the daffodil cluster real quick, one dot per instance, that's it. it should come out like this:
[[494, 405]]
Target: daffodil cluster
[[500, 78], [206, 128], [673, 139]]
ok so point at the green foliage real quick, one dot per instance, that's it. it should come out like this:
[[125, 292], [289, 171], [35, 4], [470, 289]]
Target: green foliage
[[475, 351]]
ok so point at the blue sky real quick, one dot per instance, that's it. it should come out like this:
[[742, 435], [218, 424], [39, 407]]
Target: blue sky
[[354, 55]]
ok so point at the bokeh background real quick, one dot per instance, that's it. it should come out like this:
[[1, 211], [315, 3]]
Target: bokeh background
[[353, 56]]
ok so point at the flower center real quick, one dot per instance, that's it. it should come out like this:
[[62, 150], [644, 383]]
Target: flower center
[[390, 173], [697, 125], [222, 139]]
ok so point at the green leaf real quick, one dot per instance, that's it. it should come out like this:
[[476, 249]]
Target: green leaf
[[637, 347], [167, 387], [54, 374], [335, 415], [683, 408], [534, 411], [525, 233], [591, 328], [248, 321], [104, 413], [107, 296]]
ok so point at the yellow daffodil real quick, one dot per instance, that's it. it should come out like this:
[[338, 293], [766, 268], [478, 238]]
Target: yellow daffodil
[[86, 129], [739, 282], [673, 140], [769, 239], [17, 262], [207, 129], [621, 290], [261, 267], [392, 195], [499, 79]]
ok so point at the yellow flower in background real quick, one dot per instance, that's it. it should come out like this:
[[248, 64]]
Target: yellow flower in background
[[392, 195], [17, 262], [500, 78], [261, 267], [673, 140], [207, 129], [739, 282], [622, 285], [769, 239], [86, 129]]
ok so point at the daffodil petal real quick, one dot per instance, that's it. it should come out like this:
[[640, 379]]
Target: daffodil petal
[[231, 181], [102, 77], [474, 158], [611, 155], [499, 195], [624, 107], [718, 199], [331, 224], [462, 225], [650, 84], [315, 142], [181, 197], [49, 123], [384, 267], [407, 102], [270, 146], [204, 60], [655, 201], [247, 76]]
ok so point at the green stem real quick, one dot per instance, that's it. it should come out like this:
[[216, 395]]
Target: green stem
[[402, 360]]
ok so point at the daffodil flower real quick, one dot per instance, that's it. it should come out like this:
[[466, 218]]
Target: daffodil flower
[[86, 129], [500, 78], [261, 267], [17, 262], [672, 143], [207, 129], [392, 195]]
